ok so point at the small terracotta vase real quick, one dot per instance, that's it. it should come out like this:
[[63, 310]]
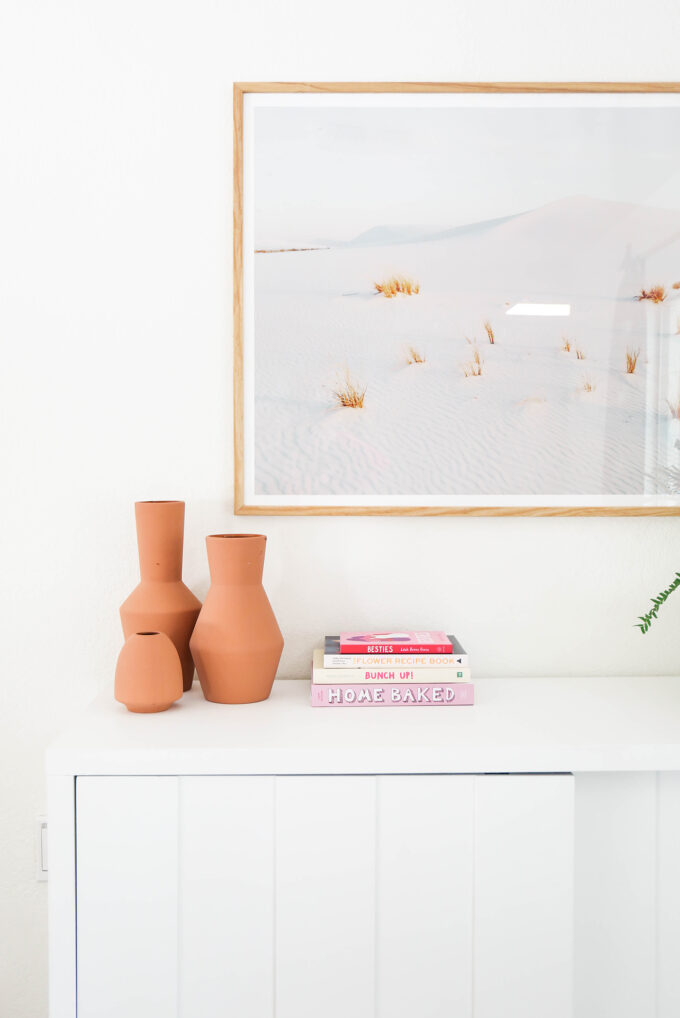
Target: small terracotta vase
[[162, 603], [237, 643], [148, 673]]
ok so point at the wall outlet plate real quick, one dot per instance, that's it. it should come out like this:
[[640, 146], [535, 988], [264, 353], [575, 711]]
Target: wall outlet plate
[[41, 848]]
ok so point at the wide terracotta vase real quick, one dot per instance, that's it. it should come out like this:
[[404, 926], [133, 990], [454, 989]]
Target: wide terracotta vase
[[237, 643], [162, 602], [148, 673]]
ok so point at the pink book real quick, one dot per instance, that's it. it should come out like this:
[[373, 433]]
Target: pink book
[[399, 694], [395, 643]]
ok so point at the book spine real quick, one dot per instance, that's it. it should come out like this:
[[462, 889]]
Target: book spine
[[395, 661], [333, 676], [424, 694], [396, 648]]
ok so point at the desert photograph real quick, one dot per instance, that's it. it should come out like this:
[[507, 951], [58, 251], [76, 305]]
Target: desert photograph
[[456, 303]]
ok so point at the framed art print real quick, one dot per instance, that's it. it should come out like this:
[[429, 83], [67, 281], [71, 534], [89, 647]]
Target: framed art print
[[457, 298]]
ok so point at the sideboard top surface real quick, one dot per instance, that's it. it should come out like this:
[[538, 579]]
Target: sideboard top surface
[[517, 725]]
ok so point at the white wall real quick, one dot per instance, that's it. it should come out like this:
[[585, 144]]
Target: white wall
[[115, 263]]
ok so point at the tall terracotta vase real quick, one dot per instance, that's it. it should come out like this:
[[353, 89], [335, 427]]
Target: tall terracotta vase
[[237, 643], [162, 602]]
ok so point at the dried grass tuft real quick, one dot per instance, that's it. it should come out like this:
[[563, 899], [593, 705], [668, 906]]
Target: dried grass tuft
[[349, 394], [397, 284], [566, 344], [674, 407], [631, 360], [588, 386], [676, 286], [414, 356], [656, 294], [580, 355], [473, 368], [489, 331]]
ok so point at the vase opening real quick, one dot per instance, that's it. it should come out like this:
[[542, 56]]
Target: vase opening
[[148, 634], [239, 536]]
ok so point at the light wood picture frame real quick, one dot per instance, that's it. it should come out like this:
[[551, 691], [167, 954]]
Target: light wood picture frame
[[492, 270]]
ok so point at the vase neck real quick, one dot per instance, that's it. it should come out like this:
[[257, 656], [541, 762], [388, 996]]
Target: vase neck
[[160, 539], [236, 559]]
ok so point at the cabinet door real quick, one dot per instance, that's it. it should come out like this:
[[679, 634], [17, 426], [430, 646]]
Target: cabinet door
[[376, 897], [175, 899], [126, 897], [523, 887], [424, 894]]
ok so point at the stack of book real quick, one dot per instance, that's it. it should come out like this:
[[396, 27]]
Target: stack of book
[[391, 670]]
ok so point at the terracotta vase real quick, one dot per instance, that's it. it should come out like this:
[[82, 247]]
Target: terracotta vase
[[162, 603], [237, 643], [148, 673]]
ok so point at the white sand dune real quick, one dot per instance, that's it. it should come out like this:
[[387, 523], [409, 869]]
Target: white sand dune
[[526, 425]]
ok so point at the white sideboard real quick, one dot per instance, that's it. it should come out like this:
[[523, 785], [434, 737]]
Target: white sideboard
[[516, 858]]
